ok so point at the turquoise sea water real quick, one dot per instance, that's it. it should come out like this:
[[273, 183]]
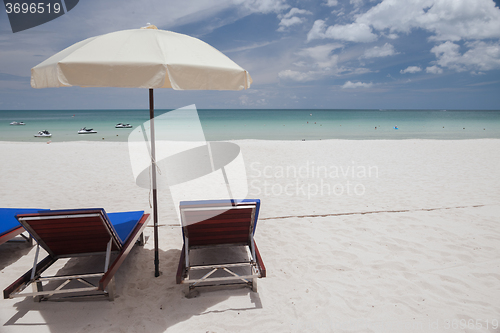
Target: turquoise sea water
[[262, 124]]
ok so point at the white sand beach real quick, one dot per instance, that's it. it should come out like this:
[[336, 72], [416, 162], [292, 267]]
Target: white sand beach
[[357, 236]]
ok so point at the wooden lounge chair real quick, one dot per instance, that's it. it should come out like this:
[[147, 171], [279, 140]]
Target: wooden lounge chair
[[219, 223], [10, 227], [76, 233]]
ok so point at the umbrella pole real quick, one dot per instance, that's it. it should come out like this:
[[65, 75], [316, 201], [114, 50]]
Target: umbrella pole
[[153, 166]]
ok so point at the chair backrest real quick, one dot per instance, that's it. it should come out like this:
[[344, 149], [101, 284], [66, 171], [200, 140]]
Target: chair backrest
[[69, 232], [209, 223]]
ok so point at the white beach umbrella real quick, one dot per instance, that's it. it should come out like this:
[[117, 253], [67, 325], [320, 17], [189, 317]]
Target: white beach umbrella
[[142, 58]]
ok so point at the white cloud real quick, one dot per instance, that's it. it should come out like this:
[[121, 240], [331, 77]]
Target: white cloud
[[317, 31], [296, 11], [434, 70], [358, 71], [448, 55], [317, 62], [355, 85], [321, 55], [354, 32], [464, 19], [244, 99], [392, 36], [331, 3], [287, 22], [321, 73], [479, 56], [447, 19], [411, 69], [264, 6], [356, 3], [290, 19], [382, 51], [248, 47], [301, 64], [288, 74], [91, 18]]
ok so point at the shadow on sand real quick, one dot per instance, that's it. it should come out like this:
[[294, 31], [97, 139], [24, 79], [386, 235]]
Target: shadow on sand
[[142, 303], [12, 251]]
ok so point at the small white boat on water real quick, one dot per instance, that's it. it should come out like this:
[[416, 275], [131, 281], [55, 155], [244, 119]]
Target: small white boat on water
[[43, 134], [87, 131], [121, 125], [17, 123]]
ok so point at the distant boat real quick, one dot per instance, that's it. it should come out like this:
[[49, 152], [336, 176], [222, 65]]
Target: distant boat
[[17, 123], [43, 134], [87, 131], [121, 125]]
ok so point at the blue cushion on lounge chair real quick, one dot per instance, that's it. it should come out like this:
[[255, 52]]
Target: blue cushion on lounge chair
[[8, 221], [124, 223]]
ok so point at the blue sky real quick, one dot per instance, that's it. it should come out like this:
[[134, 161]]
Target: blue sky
[[332, 54]]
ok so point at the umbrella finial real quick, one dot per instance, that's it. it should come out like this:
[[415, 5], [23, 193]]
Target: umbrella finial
[[150, 26]]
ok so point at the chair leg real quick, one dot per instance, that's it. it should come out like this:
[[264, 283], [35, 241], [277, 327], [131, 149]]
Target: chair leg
[[111, 289], [254, 284], [190, 292], [140, 240], [37, 286], [185, 289]]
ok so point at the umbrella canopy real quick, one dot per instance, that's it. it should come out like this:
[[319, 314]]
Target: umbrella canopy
[[142, 58]]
